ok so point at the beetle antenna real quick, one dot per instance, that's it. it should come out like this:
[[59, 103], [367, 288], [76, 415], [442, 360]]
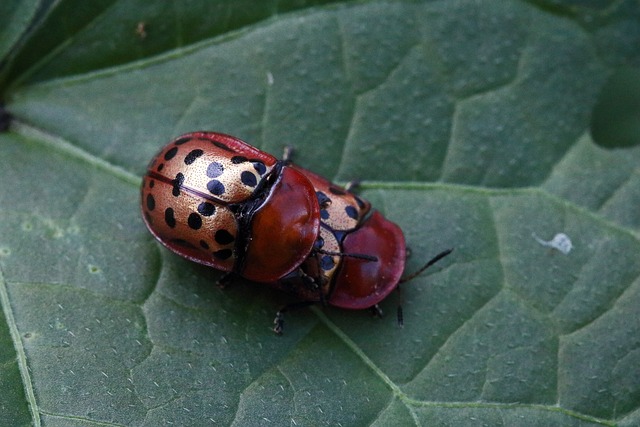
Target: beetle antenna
[[343, 254], [427, 265]]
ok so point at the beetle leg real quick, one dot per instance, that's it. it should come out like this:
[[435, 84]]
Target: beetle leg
[[226, 279], [315, 286], [376, 311], [278, 322], [310, 282], [399, 312]]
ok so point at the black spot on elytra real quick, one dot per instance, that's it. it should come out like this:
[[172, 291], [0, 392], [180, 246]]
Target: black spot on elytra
[[324, 214], [223, 237], [194, 221], [192, 156], [238, 159], [223, 254], [204, 245], [319, 243], [259, 167], [177, 184], [214, 170], [248, 179], [169, 217], [151, 202], [170, 154], [206, 209], [323, 199], [326, 263], [182, 140], [215, 187], [152, 184], [351, 212]]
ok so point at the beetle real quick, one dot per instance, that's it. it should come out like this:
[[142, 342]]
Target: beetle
[[358, 259], [216, 200]]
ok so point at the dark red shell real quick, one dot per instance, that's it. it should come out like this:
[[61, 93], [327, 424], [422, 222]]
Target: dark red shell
[[361, 283], [218, 201], [285, 229]]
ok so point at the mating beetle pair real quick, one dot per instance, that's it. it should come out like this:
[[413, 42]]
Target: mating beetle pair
[[218, 201]]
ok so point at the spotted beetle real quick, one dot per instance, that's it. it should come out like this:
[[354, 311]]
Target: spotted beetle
[[216, 200]]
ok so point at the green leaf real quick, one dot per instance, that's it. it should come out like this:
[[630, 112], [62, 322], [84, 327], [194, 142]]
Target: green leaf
[[483, 126]]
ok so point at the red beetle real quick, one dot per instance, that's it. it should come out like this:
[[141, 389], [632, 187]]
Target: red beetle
[[358, 259], [217, 200]]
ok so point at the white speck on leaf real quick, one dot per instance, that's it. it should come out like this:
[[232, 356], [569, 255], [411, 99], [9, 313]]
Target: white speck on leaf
[[560, 242]]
